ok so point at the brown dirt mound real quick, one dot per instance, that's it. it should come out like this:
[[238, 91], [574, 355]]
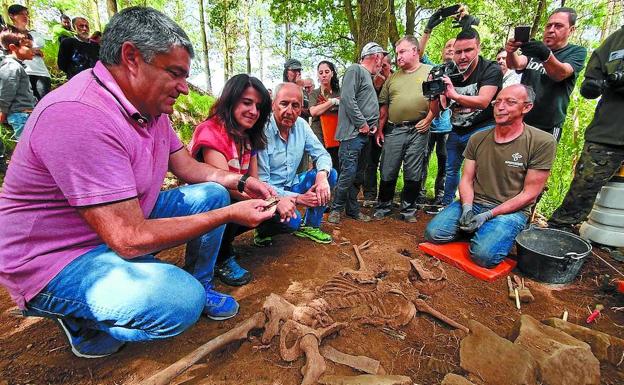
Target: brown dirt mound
[[33, 351]]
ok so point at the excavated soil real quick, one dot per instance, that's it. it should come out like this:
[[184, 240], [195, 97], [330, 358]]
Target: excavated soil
[[33, 351]]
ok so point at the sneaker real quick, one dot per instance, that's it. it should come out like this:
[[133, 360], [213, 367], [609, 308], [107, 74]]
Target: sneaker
[[261, 241], [360, 217], [220, 306], [433, 209], [313, 233], [89, 343], [231, 273], [334, 217], [381, 213]]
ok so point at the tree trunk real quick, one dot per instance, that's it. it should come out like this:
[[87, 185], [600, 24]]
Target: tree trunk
[[410, 17], [287, 40], [111, 7], [260, 33], [96, 16], [353, 24], [247, 37], [204, 36], [393, 25], [605, 29], [373, 16], [541, 7]]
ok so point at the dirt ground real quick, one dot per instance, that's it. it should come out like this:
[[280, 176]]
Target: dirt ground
[[33, 351]]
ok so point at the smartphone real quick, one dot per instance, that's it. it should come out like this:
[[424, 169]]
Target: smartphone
[[450, 11], [521, 33]]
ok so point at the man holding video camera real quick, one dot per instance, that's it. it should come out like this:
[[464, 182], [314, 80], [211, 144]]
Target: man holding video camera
[[603, 152], [550, 68], [469, 92]]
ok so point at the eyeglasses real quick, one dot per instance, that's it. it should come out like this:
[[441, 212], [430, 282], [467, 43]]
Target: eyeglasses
[[508, 102]]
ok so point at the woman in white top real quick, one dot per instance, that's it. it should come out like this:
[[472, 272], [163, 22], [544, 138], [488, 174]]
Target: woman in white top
[[35, 68]]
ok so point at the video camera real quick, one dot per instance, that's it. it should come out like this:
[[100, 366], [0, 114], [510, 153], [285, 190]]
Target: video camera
[[435, 87]]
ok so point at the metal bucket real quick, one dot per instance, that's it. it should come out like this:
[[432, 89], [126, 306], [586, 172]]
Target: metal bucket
[[550, 255]]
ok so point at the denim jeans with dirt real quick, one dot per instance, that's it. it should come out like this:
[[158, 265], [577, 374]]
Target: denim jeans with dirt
[[17, 120], [490, 244], [138, 299]]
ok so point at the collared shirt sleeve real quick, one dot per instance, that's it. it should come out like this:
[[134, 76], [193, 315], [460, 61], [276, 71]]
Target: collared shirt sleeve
[[316, 150], [348, 101]]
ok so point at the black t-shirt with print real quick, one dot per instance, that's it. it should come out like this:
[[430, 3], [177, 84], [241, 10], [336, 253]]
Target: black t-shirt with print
[[552, 97], [467, 119]]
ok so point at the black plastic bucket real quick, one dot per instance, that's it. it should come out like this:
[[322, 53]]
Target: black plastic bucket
[[550, 255]]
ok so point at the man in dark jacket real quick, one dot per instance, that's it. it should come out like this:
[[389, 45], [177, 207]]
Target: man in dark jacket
[[603, 152], [78, 53]]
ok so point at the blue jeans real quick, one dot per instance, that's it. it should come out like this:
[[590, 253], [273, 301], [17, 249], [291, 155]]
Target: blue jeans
[[455, 146], [313, 215], [353, 154], [17, 121], [143, 298], [490, 244]]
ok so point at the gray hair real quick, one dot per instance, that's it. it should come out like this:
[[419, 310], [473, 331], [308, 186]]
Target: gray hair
[[151, 31], [530, 93], [279, 87]]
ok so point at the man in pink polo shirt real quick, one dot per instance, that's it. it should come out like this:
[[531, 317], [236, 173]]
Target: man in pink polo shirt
[[81, 212]]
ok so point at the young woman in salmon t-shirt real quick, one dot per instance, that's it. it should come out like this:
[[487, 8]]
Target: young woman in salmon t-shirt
[[229, 139]]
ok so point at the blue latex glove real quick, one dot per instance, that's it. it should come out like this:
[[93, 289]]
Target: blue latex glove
[[477, 221]]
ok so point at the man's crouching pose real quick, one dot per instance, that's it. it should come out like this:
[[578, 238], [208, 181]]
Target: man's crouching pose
[[505, 170], [81, 211]]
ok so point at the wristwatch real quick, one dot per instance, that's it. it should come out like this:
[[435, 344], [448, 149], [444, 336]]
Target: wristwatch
[[241, 183]]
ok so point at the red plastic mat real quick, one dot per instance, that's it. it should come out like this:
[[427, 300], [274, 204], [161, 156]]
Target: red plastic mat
[[458, 255]]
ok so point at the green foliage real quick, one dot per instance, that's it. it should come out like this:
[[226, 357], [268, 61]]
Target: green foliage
[[190, 110]]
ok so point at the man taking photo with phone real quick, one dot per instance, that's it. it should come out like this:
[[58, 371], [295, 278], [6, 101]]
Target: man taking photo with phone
[[550, 67]]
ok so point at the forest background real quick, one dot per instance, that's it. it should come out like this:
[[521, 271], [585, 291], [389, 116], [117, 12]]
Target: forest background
[[256, 36]]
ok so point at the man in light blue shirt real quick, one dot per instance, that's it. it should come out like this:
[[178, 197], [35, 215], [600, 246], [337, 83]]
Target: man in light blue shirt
[[288, 138]]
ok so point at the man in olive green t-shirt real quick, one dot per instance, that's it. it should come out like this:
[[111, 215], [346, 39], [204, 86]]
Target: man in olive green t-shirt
[[505, 170], [404, 130]]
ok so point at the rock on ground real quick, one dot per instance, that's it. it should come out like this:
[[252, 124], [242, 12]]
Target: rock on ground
[[454, 379], [494, 359], [365, 379], [562, 359], [604, 346]]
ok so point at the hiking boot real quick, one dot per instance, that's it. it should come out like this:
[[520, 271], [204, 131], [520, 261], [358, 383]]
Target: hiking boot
[[231, 273], [313, 233], [333, 217], [261, 241], [360, 217], [220, 306], [409, 218], [369, 203], [88, 343]]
